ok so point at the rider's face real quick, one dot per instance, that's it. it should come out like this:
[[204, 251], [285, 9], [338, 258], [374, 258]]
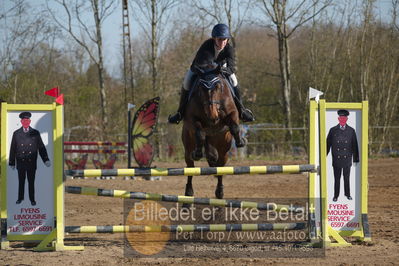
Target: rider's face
[[221, 43]]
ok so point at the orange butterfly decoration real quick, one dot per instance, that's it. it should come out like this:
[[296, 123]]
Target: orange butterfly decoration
[[144, 124]]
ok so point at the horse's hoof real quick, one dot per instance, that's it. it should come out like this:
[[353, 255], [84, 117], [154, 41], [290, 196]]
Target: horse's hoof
[[241, 143], [212, 161], [219, 192], [197, 155]]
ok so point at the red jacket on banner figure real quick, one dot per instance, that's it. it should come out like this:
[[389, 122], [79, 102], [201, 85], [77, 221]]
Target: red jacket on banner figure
[[26, 143], [342, 141]]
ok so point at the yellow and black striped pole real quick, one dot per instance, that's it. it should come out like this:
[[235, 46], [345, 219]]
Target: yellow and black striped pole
[[185, 228], [195, 171], [182, 199]]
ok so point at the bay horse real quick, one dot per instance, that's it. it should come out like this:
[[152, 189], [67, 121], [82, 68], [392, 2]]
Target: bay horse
[[210, 123]]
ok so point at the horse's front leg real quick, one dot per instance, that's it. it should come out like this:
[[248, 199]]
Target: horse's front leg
[[235, 131], [211, 153], [199, 143]]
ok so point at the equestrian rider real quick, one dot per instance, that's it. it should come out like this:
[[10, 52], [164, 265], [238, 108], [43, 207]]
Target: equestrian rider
[[223, 54]]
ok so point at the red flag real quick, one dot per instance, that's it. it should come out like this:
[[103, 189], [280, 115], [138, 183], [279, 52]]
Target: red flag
[[60, 99], [54, 92]]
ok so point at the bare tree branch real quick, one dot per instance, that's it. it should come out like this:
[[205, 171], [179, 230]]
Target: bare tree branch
[[303, 20], [69, 28], [271, 15], [231, 12], [296, 9], [153, 17], [100, 11]]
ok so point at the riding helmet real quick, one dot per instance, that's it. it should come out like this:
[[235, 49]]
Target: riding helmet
[[221, 31]]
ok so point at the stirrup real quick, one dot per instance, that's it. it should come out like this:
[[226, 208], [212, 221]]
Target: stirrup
[[247, 115], [175, 119]]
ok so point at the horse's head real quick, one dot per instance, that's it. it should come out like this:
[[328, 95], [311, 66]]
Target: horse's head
[[209, 91]]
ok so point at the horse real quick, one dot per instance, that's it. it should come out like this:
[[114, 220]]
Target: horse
[[211, 121]]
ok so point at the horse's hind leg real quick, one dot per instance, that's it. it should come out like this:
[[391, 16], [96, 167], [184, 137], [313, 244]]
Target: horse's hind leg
[[221, 161], [219, 193], [189, 146], [219, 187], [189, 191], [222, 152], [189, 185]]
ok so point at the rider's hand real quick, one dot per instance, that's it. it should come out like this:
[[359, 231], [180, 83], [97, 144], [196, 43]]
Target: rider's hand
[[47, 163], [224, 70], [12, 167]]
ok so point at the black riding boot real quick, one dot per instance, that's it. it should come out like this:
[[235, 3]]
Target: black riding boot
[[176, 118], [245, 114]]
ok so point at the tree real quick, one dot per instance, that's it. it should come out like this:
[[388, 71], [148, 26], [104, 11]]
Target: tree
[[86, 35], [22, 29], [280, 15], [388, 97], [230, 12], [156, 14]]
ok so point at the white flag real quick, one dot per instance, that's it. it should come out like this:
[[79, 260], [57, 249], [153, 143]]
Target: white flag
[[313, 93], [130, 106]]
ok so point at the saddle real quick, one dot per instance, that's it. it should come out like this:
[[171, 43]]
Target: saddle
[[209, 81]]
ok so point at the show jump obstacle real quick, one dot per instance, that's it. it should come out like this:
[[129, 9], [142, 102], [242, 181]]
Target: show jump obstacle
[[181, 199], [195, 171], [46, 220], [95, 143], [185, 228]]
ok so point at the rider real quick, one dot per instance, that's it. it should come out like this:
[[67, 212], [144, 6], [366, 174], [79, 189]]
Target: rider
[[224, 55]]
